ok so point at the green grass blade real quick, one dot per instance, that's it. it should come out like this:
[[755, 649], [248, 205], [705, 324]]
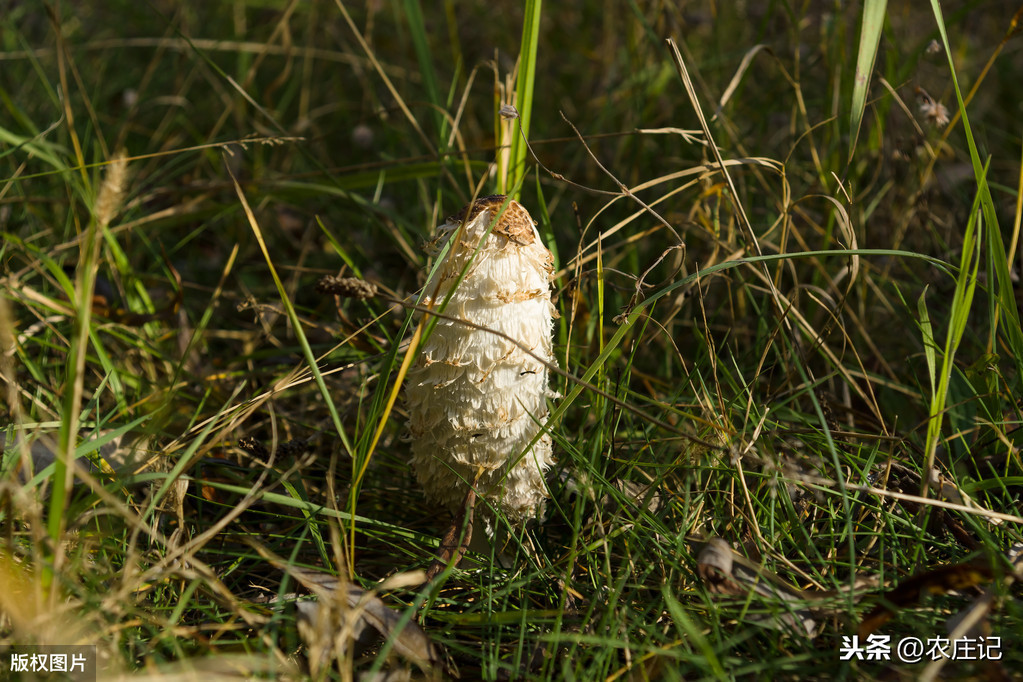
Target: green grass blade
[[962, 301], [870, 38], [524, 93], [420, 42], [1003, 290], [929, 345]]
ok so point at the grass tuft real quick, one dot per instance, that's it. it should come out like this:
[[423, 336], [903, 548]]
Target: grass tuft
[[787, 265]]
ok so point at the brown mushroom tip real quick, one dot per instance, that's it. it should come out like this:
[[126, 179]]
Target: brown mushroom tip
[[514, 223]]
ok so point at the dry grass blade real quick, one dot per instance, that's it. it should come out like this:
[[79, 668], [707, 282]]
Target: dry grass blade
[[343, 611]]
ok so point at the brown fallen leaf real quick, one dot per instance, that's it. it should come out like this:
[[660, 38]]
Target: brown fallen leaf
[[973, 622], [714, 566], [727, 573], [934, 581], [344, 615]]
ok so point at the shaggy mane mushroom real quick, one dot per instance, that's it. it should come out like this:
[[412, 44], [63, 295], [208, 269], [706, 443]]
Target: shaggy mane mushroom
[[476, 400]]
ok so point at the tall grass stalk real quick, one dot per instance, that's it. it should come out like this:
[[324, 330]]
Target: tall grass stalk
[[871, 26], [1000, 297], [524, 87]]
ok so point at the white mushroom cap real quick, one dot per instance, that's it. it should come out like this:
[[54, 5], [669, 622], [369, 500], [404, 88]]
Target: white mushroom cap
[[475, 399]]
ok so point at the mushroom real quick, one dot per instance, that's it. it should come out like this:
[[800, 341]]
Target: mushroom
[[476, 398]]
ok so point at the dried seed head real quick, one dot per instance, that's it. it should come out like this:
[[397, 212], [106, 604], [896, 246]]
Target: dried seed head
[[111, 191], [476, 399], [934, 111], [346, 287]]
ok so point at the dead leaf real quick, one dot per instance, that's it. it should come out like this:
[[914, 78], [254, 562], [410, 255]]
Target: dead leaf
[[935, 581], [346, 615], [728, 573]]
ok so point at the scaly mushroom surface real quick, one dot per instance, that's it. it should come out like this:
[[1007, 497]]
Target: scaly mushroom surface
[[475, 399]]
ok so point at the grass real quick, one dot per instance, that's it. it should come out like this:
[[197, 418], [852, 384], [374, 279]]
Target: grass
[[804, 340]]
